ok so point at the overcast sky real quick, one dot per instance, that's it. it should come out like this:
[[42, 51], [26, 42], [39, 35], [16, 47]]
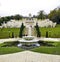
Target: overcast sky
[[24, 7]]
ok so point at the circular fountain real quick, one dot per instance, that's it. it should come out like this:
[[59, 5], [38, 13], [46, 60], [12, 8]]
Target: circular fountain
[[29, 40]]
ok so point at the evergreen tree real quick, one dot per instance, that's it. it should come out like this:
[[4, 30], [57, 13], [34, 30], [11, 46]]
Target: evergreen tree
[[46, 34], [41, 15], [38, 30], [12, 34], [21, 30]]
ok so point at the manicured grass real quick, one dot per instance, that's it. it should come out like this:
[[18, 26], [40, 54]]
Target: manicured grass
[[58, 25], [9, 44], [9, 50], [47, 50], [52, 32], [55, 49], [49, 43], [7, 32], [9, 47], [56, 44]]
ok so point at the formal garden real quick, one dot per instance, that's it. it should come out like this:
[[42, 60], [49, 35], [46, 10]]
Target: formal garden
[[52, 32], [48, 47], [51, 29]]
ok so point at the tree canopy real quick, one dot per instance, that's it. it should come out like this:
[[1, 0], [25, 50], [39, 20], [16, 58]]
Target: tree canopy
[[55, 15], [41, 15], [8, 18]]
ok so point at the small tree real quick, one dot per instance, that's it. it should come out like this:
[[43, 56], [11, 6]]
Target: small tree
[[21, 30], [12, 34], [37, 30], [46, 34]]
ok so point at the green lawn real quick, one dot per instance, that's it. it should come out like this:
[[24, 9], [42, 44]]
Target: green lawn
[[52, 32], [9, 50], [9, 47], [9, 44], [47, 50], [55, 49], [5, 32], [58, 25]]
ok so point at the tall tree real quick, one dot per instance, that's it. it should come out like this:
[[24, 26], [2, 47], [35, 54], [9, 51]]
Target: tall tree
[[17, 17], [55, 15], [38, 30], [41, 15], [12, 34], [21, 30]]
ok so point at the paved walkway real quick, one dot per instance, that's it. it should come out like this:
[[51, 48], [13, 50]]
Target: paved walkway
[[28, 56], [43, 39], [50, 39], [9, 39]]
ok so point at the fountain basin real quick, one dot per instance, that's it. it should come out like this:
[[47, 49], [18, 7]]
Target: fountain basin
[[28, 37], [28, 41]]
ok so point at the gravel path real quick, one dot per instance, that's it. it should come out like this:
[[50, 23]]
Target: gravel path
[[28, 56]]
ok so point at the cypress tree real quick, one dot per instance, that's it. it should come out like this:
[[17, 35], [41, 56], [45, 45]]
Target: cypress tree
[[46, 34], [21, 30], [12, 34]]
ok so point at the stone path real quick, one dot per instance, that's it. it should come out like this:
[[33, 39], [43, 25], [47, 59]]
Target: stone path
[[43, 39], [28, 56], [9, 39], [50, 39]]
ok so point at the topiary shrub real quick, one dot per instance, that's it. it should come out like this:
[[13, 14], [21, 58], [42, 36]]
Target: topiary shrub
[[37, 30], [21, 30], [47, 34]]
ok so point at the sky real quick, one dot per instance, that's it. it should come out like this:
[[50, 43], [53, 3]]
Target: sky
[[24, 7]]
